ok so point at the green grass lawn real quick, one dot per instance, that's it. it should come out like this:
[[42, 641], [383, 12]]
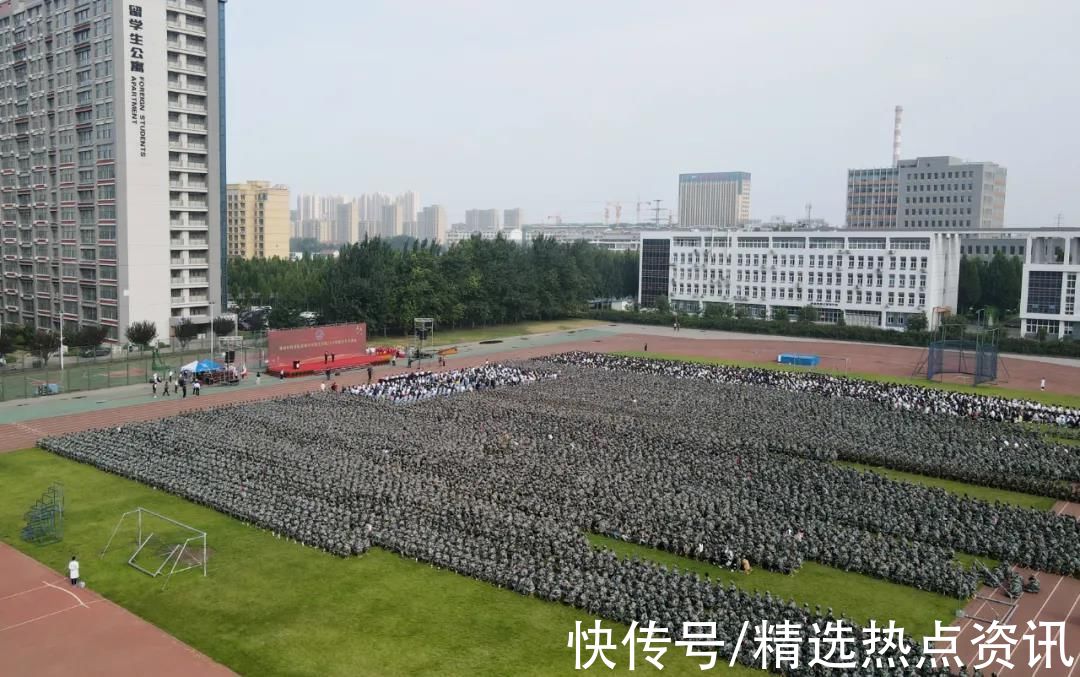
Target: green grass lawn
[[989, 494], [272, 607], [993, 391], [856, 596], [501, 331]]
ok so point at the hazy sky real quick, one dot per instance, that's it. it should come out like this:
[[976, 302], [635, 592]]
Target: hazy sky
[[560, 106]]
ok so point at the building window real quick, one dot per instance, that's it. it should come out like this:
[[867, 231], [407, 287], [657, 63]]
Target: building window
[[1044, 292]]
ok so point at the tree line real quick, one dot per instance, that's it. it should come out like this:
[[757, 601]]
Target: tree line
[[474, 282], [994, 284]]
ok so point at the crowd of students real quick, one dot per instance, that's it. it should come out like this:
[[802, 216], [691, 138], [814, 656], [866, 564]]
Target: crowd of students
[[505, 483], [898, 396]]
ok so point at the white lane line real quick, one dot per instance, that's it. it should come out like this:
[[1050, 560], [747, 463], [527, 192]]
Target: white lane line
[[1068, 614], [81, 603], [40, 618], [21, 593]]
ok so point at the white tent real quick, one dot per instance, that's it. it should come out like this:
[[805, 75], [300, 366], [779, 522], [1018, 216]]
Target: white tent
[[190, 367]]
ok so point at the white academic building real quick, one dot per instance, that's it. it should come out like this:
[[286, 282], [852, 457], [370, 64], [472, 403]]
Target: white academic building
[[871, 278], [875, 279], [1051, 268]]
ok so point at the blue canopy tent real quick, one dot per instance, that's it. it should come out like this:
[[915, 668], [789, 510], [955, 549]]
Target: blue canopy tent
[[201, 366]]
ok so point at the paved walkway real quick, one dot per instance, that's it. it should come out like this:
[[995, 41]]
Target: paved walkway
[[48, 627]]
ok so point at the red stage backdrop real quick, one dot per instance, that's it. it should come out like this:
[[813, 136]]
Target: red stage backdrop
[[307, 343]]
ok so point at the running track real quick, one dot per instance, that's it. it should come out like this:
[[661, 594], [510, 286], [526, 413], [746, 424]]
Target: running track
[[48, 627], [44, 630]]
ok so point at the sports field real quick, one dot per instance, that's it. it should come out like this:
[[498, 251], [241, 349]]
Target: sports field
[[271, 606]]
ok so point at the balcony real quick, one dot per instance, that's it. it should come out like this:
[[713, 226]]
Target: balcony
[[188, 204], [187, 27], [176, 125], [188, 166], [178, 86], [188, 186], [188, 147]]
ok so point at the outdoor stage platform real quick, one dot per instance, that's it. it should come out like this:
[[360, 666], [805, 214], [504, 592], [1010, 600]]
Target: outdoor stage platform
[[317, 365]]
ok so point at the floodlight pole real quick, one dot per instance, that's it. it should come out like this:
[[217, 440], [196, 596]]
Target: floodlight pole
[[211, 331]]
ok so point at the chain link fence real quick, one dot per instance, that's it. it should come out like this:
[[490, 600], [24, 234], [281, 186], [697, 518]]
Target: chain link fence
[[27, 377]]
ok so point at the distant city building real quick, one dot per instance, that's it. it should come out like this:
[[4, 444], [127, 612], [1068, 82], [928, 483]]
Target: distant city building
[[512, 218], [391, 223], [347, 224], [716, 199], [409, 204], [257, 220], [482, 220], [458, 234], [432, 224], [927, 192], [871, 198], [945, 192], [605, 237]]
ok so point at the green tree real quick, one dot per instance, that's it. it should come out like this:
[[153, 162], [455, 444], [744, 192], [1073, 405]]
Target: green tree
[[740, 312], [223, 326], [7, 342], [662, 304], [781, 315], [808, 314], [969, 281], [305, 245], [916, 323], [185, 331], [141, 333], [86, 336], [284, 316], [43, 344]]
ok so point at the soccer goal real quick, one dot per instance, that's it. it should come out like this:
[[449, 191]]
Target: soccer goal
[[160, 545]]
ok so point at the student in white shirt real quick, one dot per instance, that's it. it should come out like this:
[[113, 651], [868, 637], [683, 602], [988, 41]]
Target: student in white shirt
[[73, 570]]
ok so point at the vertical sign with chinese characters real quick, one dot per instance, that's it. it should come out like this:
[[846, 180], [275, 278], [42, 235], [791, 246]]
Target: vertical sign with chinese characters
[[137, 66], [144, 222]]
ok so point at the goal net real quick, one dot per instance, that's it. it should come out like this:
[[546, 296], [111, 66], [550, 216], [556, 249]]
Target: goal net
[[158, 545]]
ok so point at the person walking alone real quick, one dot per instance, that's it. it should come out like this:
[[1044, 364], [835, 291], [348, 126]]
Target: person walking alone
[[196, 387], [73, 570]]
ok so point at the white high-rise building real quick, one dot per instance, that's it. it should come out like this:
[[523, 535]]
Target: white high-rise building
[[432, 224], [391, 223], [482, 220], [111, 153], [716, 199], [512, 218], [409, 204]]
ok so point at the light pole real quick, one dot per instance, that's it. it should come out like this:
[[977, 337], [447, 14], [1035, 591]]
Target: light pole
[[211, 331], [978, 315]]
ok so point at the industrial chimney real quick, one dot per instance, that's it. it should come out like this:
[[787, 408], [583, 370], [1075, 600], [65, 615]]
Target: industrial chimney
[[896, 137]]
